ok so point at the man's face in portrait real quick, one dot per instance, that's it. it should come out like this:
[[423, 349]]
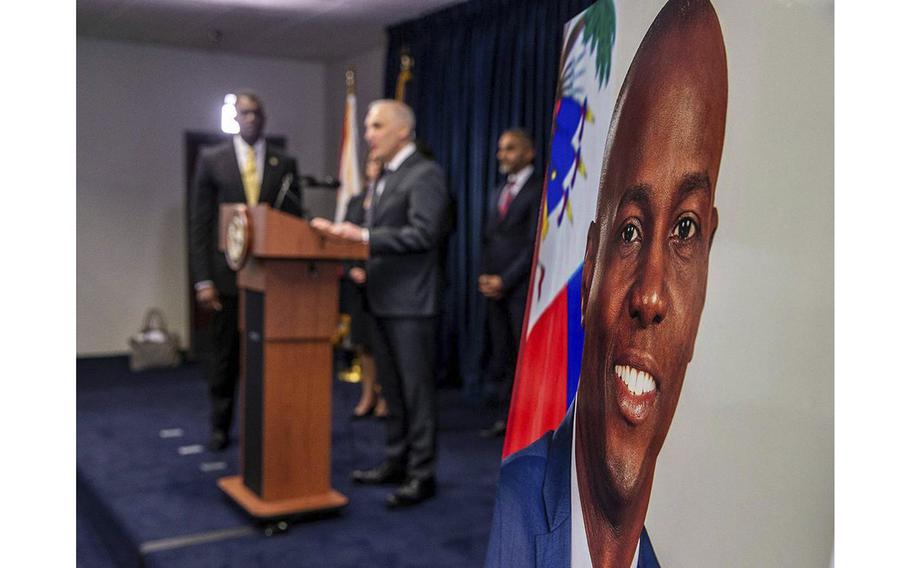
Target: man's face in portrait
[[646, 265], [251, 119], [385, 133], [513, 153]]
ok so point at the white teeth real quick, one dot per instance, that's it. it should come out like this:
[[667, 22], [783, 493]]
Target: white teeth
[[638, 382]]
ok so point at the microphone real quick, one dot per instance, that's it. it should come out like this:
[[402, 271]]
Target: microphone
[[327, 182], [284, 193]]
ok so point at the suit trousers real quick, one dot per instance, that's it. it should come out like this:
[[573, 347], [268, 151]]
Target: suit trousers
[[224, 365], [504, 320], [405, 352]]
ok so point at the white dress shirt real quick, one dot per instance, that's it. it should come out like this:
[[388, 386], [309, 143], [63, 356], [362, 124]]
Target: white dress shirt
[[394, 164], [518, 180]]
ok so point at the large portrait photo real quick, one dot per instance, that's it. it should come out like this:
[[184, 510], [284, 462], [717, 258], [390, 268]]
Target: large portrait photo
[[462, 283], [615, 325]]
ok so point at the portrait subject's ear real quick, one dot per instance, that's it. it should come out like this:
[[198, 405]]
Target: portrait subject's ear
[[713, 228], [587, 271]]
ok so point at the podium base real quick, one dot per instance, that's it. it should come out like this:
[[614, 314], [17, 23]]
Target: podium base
[[263, 510]]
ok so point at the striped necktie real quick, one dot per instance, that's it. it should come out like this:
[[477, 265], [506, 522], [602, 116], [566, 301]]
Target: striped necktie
[[250, 178]]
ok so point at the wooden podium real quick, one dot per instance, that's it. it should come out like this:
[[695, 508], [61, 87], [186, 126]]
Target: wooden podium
[[288, 289]]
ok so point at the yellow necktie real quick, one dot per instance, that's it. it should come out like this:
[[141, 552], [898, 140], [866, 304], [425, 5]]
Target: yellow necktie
[[250, 178]]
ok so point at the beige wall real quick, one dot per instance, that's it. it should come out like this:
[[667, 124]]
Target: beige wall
[[134, 103]]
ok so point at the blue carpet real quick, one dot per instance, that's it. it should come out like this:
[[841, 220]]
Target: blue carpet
[[140, 495]]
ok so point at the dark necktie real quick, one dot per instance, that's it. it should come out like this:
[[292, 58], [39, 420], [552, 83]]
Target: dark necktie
[[368, 205], [373, 197], [505, 199]]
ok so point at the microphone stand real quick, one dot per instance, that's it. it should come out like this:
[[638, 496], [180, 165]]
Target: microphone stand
[[305, 183]]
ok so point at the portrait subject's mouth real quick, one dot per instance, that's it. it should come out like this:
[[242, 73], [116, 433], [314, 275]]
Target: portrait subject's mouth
[[635, 393], [638, 382]]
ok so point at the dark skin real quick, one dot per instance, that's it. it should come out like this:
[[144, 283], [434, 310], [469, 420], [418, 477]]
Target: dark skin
[[251, 119], [645, 270], [513, 154]]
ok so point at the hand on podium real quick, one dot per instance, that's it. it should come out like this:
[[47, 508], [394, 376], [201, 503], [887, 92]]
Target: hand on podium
[[342, 231], [320, 224], [324, 227], [348, 231]]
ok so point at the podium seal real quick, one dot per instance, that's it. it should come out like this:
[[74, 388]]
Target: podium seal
[[238, 237]]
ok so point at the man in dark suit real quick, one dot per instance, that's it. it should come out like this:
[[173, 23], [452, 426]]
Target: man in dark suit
[[582, 493], [244, 170], [511, 227], [404, 229]]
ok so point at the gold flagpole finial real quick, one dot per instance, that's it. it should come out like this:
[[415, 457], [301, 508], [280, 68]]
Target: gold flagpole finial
[[349, 80], [404, 74]]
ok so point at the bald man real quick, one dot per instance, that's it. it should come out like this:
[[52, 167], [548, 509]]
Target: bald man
[[404, 229], [578, 496], [508, 247]]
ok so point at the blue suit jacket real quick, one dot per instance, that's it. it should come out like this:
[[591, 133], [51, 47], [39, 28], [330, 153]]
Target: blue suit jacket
[[532, 520]]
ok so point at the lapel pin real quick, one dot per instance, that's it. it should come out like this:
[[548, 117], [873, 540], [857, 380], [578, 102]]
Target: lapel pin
[[273, 161]]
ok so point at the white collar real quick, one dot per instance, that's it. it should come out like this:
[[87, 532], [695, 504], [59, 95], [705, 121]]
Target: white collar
[[401, 156], [240, 144], [581, 554], [520, 178]]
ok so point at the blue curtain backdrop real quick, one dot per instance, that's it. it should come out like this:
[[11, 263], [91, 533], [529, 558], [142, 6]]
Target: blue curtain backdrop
[[479, 68]]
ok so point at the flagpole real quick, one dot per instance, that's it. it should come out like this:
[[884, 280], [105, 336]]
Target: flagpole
[[404, 75], [348, 163], [349, 80]]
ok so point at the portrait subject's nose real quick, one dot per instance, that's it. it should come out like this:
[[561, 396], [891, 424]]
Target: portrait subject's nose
[[648, 304]]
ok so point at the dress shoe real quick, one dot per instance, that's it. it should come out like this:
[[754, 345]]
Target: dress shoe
[[411, 493], [497, 430], [218, 441], [386, 472]]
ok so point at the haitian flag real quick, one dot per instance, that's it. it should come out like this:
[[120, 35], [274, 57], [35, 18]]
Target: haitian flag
[[546, 375]]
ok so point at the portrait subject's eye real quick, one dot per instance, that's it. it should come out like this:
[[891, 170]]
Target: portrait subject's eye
[[630, 233], [685, 229]]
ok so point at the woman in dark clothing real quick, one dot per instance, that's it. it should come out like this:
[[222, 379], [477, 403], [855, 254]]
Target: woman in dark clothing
[[354, 294]]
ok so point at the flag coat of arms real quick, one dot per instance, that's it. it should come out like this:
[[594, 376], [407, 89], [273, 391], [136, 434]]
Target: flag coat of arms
[[546, 375]]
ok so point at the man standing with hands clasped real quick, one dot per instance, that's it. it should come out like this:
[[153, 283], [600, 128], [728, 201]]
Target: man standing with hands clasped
[[511, 227], [244, 170], [404, 229]]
